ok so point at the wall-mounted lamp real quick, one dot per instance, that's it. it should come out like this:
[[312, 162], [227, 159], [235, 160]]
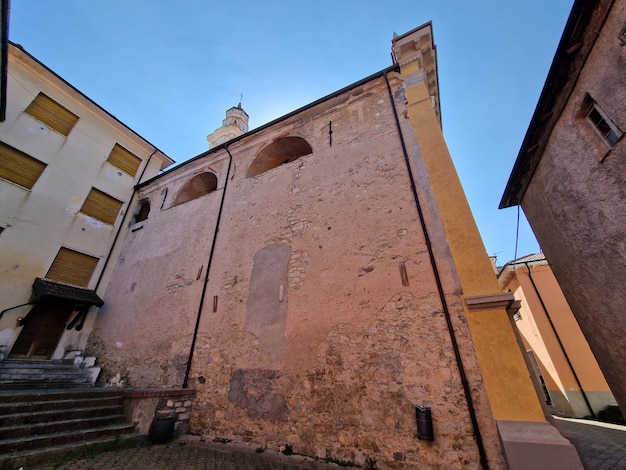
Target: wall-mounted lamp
[[424, 423]]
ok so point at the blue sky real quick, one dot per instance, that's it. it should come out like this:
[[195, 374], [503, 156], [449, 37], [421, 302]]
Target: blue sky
[[169, 70]]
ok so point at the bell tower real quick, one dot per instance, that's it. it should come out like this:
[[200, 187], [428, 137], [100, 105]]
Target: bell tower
[[234, 124]]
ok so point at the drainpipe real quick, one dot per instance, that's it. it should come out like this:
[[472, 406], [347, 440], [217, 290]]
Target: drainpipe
[[119, 229], [558, 338], [117, 234], [206, 273], [4, 57], [442, 296], [79, 320]]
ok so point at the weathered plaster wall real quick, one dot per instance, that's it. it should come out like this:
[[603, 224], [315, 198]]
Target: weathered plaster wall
[[315, 341], [37, 222], [143, 333], [576, 205]]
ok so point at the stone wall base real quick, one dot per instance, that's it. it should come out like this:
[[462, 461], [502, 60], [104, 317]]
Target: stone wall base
[[144, 405], [571, 404], [537, 445]]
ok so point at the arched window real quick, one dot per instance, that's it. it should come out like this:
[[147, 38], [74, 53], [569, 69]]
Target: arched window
[[197, 186], [281, 151]]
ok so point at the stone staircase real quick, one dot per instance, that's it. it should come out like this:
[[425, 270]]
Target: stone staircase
[[50, 408], [47, 424], [21, 374]]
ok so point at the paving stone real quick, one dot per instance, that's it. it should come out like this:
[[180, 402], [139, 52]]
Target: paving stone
[[602, 445], [189, 453]]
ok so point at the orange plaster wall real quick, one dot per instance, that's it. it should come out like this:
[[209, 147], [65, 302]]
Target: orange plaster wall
[[538, 333]]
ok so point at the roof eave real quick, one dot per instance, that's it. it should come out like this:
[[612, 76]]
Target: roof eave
[[574, 47], [167, 161], [392, 68]]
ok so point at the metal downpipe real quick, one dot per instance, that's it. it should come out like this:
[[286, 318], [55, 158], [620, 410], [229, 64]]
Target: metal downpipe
[[558, 339], [442, 297], [206, 273], [119, 229]]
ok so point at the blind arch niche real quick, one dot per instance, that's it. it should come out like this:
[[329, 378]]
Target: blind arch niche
[[199, 185], [279, 152]]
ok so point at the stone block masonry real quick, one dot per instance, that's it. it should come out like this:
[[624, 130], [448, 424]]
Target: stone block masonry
[[326, 329], [142, 406]]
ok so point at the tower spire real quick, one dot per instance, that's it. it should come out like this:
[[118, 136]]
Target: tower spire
[[233, 125]]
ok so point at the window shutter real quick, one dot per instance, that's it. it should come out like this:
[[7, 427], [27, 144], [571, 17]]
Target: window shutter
[[72, 267], [19, 168], [52, 114], [124, 160], [101, 206]]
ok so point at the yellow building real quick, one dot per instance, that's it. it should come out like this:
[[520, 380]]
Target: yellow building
[[514, 403], [559, 355], [67, 174]]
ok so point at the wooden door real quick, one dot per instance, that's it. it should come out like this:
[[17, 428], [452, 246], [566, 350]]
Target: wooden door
[[42, 330]]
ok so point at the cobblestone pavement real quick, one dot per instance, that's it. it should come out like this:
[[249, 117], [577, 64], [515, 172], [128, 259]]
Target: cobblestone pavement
[[603, 445], [188, 453]]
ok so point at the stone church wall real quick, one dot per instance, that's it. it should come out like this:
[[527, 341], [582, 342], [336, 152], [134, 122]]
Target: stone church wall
[[322, 326]]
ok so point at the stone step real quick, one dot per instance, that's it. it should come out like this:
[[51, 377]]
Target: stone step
[[28, 364], [60, 425], [47, 377], [47, 416], [43, 384], [26, 374], [24, 396], [39, 423], [19, 444], [41, 372], [27, 367], [31, 457], [18, 407]]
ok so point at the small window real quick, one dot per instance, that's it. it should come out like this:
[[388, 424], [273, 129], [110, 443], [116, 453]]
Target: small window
[[125, 160], [199, 185], [18, 167], [603, 124], [143, 209], [101, 206], [72, 267], [52, 114], [277, 153]]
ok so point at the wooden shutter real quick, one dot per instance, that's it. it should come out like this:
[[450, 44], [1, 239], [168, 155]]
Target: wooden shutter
[[19, 168], [124, 160], [101, 206], [72, 267], [52, 114]]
